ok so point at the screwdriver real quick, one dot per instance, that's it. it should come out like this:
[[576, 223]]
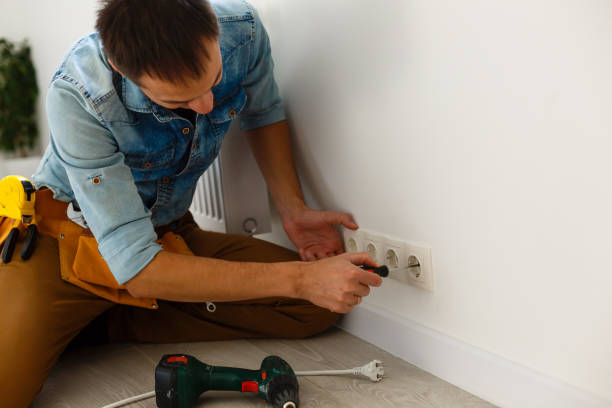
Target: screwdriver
[[383, 271]]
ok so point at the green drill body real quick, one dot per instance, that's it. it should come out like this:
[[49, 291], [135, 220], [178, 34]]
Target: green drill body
[[180, 379]]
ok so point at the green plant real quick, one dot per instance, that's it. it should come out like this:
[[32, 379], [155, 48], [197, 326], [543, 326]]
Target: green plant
[[18, 93]]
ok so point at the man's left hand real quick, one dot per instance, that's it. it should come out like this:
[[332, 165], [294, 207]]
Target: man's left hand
[[314, 234]]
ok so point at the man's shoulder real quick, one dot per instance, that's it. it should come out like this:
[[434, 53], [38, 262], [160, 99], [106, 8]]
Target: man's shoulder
[[237, 21], [232, 10], [86, 67]]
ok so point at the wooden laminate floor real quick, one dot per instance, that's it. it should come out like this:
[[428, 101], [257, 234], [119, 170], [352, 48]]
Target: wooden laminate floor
[[92, 377]]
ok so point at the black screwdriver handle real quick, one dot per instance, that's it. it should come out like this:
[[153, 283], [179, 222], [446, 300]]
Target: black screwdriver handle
[[30, 242], [9, 245], [383, 271]]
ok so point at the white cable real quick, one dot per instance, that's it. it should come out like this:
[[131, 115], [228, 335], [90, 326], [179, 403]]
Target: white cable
[[130, 400], [374, 370], [328, 372]]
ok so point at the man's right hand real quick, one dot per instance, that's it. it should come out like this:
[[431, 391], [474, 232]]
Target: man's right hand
[[337, 283]]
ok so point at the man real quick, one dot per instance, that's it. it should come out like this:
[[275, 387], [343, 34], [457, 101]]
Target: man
[[137, 111]]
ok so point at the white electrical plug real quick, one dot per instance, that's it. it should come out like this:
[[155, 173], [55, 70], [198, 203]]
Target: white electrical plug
[[374, 370]]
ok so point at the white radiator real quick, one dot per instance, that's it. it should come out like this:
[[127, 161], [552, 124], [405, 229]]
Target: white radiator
[[231, 196], [207, 204]]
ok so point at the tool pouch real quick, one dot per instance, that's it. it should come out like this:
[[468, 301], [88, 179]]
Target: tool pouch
[[80, 261], [98, 273], [83, 266]]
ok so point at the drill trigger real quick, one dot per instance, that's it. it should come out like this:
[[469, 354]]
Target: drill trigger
[[250, 386]]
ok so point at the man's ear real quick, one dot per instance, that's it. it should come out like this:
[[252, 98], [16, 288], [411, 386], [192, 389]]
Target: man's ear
[[114, 67]]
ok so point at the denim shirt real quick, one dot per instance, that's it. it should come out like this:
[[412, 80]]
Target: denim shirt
[[131, 164]]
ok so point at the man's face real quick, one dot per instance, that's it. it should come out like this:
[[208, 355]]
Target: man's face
[[195, 94]]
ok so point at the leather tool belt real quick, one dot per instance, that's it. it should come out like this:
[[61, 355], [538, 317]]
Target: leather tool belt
[[80, 261]]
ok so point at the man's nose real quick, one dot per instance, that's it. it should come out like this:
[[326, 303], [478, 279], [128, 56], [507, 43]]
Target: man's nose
[[203, 104]]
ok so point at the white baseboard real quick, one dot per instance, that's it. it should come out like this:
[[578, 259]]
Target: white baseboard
[[488, 376]]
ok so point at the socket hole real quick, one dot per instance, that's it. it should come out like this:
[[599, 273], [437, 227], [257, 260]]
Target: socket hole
[[391, 259], [414, 265], [351, 245], [371, 249]]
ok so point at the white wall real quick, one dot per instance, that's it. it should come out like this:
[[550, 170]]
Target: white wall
[[479, 128], [51, 27]]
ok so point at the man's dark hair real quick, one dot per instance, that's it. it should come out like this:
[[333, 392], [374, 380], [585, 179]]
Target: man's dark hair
[[161, 38]]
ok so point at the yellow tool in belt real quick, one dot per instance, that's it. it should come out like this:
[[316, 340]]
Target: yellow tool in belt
[[17, 203]]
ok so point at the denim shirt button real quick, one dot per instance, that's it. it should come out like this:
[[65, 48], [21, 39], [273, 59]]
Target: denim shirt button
[[147, 165], [232, 113], [186, 130], [165, 180]]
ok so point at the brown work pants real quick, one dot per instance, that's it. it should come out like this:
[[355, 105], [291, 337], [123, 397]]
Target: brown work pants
[[40, 314]]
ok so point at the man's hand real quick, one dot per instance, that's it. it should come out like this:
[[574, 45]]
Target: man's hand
[[314, 232], [337, 284]]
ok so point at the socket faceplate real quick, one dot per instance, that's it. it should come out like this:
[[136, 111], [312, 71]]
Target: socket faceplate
[[408, 263]]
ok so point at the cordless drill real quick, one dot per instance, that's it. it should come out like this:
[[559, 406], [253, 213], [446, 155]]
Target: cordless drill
[[180, 379]]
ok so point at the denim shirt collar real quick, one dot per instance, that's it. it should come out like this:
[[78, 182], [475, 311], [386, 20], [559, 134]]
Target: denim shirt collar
[[137, 101]]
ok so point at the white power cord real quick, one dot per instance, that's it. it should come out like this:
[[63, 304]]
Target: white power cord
[[130, 400], [374, 370]]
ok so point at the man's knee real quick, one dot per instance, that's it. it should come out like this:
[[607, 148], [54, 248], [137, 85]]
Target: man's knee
[[307, 320], [234, 247]]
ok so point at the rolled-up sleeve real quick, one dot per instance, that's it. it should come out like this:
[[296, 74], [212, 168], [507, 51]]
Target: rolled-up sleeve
[[102, 184], [264, 105]]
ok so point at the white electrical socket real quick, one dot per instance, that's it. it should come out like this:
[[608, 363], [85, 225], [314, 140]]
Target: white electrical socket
[[407, 263], [373, 246], [364, 241], [353, 240], [416, 267], [393, 254]]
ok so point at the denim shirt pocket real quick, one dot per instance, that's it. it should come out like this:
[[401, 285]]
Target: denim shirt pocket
[[228, 107], [151, 160], [113, 112], [226, 110]]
